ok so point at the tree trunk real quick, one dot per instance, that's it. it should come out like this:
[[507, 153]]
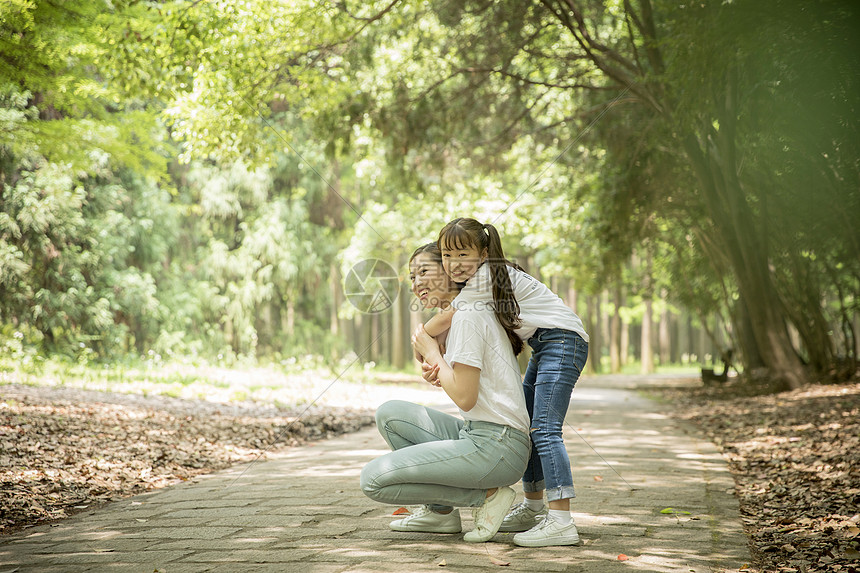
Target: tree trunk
[[375, 339], [647, 354], [664, 336], [742, 238], [592, 327], [624, 352], [398, 334], [334, 291], [615, 333]]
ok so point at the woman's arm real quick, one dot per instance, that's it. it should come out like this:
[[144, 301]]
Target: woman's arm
[[460, 382], [440, 339]]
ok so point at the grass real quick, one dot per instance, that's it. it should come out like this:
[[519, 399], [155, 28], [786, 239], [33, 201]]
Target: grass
[[288, 384]]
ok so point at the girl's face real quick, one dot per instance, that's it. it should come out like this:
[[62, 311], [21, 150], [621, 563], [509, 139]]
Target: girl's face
[[463, 262], [429, 282]]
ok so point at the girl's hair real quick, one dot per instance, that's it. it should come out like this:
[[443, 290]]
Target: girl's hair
[[464, 233]]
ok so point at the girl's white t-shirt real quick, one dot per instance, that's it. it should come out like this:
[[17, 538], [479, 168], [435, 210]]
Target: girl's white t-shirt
[[539, 306], [477, 339]]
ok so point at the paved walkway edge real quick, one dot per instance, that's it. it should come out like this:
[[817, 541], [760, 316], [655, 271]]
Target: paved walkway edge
[[647, 488]]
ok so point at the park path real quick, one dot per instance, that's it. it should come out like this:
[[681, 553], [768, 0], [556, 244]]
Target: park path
[[301, 509]]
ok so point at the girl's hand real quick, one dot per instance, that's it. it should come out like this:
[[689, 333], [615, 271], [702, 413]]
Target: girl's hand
[[430, 373], [424, 344]]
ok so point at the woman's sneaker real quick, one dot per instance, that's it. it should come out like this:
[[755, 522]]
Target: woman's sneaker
[[489, 517], [522, 518], [424, 520], [548, 532]]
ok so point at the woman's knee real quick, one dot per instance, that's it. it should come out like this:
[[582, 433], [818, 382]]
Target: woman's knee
[[389, 410], [368, 481]]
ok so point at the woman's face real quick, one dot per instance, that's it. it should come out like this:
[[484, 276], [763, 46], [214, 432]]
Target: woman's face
[[429, 282]]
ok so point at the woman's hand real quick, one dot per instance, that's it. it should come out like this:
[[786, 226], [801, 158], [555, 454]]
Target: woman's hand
[[442, 339], [425, 345], [430, 373]]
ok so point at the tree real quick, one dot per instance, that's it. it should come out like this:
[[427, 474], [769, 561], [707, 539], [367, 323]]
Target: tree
[[722, 97]]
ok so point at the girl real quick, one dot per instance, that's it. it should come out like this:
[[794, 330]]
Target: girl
[[472, 253], [440, 459]]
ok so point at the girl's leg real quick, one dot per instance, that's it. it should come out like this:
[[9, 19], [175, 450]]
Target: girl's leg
[[533, 482], [560, 356]]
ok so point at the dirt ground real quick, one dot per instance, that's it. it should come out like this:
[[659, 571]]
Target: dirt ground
[[64, 450], [795, 457]]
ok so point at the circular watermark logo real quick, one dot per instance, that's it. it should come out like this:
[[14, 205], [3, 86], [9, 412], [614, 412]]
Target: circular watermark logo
[[371, 286]]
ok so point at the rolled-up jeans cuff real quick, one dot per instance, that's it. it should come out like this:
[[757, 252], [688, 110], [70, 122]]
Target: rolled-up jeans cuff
[[564, 492], [533, 486], [440, 508]]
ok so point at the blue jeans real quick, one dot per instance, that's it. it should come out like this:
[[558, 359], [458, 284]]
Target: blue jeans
[[557, 360], [439, 459]]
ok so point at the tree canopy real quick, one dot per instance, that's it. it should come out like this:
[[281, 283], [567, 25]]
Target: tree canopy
[[186, 177]]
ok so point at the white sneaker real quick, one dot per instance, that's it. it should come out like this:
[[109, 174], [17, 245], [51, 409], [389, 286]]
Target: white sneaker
[[548, 532], [425, 520], [488, 517], [522, 518]]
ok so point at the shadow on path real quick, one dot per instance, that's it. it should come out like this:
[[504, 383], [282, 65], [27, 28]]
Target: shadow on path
[[302, 510]]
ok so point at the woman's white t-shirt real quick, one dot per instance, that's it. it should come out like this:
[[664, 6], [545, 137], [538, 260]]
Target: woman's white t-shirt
[[477, 339], [539, 306]]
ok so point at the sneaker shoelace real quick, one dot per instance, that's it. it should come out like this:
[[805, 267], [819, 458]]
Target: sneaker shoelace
[[518, 510], [545, 522], [478, 515], [420, 512]]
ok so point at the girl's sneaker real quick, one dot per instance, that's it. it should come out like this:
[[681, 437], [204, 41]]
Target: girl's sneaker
[[522, 518], [424, 520], [548, 532]]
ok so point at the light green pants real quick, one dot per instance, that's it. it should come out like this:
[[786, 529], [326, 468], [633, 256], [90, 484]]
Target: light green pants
[[440, 460]]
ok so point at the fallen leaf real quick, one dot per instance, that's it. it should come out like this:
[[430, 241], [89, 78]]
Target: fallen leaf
[[623, 557], [499, 562], [401, 511], [442, 563], [672, 510]]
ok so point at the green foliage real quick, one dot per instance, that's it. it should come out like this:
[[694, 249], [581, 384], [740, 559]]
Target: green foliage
[[182, 178]]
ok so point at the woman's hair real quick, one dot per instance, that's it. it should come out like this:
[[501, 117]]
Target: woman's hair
[[464, 233], [431, 249]]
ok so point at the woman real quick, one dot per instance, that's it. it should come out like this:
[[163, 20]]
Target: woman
[[441, 460]]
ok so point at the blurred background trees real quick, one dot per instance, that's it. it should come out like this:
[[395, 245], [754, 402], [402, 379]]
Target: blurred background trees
[[196, 178]]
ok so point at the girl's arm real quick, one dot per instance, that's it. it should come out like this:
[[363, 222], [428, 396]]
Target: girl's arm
[[437, 327], [460, 382], [440, 322]]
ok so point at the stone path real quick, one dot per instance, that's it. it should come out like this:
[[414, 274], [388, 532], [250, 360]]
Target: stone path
[[301, 510]]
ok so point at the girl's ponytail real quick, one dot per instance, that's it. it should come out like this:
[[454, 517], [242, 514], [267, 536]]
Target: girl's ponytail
[[505, 304]]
